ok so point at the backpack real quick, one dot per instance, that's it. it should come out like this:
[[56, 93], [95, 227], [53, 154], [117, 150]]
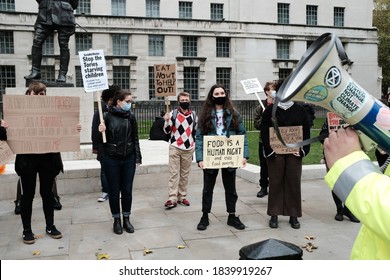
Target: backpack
[[174, 115]]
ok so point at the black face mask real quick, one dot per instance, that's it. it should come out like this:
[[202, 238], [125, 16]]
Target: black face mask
[[184, 105], [219, 100]]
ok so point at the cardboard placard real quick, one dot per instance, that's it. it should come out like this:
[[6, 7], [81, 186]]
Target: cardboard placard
[[223, 152], [290, 135], [6, 154], [42, 124], [93, 70], [165, 79]]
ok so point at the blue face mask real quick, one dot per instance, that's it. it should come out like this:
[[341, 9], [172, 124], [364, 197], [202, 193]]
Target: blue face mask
[[126, 107]]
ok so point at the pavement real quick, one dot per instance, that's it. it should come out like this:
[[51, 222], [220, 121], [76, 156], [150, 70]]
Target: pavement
[[162, 234]]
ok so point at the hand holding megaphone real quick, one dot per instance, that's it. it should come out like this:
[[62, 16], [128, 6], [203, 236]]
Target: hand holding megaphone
[[320, 79]]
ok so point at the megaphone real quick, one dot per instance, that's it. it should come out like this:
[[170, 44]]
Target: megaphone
[[320, 79]]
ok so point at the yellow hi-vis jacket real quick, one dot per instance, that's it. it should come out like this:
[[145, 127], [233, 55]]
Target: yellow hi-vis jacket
[[366, 192]]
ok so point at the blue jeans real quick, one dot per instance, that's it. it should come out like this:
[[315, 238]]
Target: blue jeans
[[120, 175]]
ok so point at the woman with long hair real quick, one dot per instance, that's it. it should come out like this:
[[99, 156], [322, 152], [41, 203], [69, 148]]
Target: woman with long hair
[[219, 118]]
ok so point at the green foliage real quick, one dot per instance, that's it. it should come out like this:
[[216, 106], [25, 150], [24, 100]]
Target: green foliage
[[381, 20]]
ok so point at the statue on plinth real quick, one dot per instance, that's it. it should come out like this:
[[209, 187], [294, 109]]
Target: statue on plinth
[[53, 15]]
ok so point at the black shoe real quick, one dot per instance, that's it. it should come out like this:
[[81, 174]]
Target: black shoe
[[53, 232], [17, 207], [294, 223], [235, 222], [28, 236], [57, 204], [127, 225], [273, 222], [339, 216], [263, 192], [117, 226], [350, 215], [204, 222]]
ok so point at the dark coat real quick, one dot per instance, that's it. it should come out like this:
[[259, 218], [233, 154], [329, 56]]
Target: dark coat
[[122, 135], [56, 12], [3, 134], [25, 163]]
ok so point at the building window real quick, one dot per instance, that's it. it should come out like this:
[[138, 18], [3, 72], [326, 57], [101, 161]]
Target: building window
[[223, 47], [216, 11], [283, 73], [120, 44], [151, 82], [156, 45], [152, 94], [83, 42], [311, 15], [48, 73], [185, 10], [191, 81], [223, 77], [7, 5], [121, 76], [153, 8], [283, 49], [84, 7], [283, 13], [338, 19], [48, 45], [190, 46], [7, 78], [6, 42], [118, 7], [79, 77]]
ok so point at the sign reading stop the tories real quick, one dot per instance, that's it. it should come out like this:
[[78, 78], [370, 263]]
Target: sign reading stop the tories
[[165, 79], [93, 70]]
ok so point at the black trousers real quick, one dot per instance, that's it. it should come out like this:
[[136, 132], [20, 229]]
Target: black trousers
[[229, 184], [28, 185]]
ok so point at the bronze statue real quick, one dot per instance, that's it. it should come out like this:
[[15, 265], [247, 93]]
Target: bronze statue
[[53, 15]]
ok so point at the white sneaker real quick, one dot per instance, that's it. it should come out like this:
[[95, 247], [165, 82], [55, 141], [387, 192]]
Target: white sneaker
[[103, 197]]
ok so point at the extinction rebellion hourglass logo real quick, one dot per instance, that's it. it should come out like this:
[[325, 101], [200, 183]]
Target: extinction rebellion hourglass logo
[[333, 77]]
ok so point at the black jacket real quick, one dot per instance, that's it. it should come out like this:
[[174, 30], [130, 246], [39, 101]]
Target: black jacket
[[56, 12], [122, 135], [3, 134]]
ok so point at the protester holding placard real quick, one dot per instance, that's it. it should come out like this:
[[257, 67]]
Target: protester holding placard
[[97, 141], [219, 117], [122, 154], [285, 168], [47, 166], [269, 88], [181, 125], [341, 209]]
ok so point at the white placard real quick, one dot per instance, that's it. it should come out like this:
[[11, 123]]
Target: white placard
[[93, 70], [252, 86]]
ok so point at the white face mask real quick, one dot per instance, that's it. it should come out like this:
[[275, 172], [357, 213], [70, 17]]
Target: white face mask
[[273, 94]]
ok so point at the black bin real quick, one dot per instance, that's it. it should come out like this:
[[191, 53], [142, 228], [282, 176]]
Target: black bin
[[271, 249]]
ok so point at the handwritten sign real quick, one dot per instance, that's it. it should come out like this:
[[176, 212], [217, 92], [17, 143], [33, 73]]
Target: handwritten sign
[[42, 124], [93, 69], [165, 79], [290, 135], [252, 86], [223, 152], [334, 121], [6, 154]]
